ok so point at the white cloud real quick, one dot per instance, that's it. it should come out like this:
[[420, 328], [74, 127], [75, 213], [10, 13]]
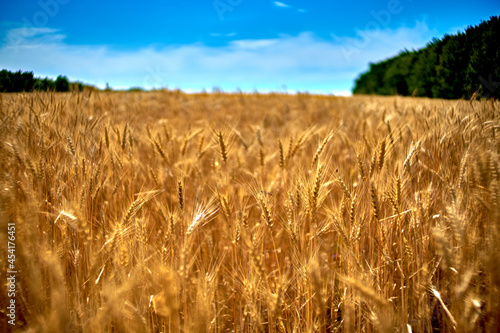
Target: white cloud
[[342, 93], [253, 44], [281, 4], [302, 62]]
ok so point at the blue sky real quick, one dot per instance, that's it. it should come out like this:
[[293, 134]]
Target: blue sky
[[315, 46]]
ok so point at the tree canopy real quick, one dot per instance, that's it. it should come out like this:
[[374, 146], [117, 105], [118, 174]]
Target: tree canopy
[[26, 81], [456, 66]]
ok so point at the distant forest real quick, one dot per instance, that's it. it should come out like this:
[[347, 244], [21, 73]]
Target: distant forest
[[456, 66], [26, 81]]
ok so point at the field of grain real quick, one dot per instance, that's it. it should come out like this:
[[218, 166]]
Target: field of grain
[[167, 212]]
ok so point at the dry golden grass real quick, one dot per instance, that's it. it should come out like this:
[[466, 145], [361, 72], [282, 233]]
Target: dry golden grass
[[167, 212]]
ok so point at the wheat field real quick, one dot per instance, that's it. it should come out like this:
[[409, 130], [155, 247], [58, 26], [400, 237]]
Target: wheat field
[[168, 212]]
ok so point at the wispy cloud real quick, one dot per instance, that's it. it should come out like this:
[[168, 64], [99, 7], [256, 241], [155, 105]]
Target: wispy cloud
[[284, 5], [301, 62], [216, 34], [32, 36], [281, 4]]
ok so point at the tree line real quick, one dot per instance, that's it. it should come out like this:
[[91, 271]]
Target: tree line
[[457, 66], [26, 81]]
